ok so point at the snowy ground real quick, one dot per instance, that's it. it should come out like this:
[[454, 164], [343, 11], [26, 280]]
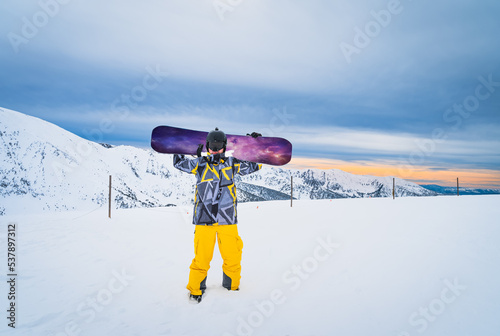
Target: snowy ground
[[410, 266]]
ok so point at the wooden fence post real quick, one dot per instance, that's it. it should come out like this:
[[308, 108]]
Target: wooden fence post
[[109, 208], [393, 188], [291, 191], [458, 188]]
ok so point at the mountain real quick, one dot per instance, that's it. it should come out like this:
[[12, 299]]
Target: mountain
[[45, 167], [334, 183], [463, 191]]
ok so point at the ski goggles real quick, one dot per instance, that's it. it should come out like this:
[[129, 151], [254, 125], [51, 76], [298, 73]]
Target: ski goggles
[[215, 146]]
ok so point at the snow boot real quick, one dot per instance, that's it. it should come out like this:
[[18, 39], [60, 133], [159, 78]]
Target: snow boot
[[195, 298]]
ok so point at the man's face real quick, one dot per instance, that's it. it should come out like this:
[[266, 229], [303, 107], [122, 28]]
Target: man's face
[[218, 152]]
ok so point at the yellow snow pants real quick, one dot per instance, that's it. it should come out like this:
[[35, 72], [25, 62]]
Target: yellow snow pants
[[230, 247]]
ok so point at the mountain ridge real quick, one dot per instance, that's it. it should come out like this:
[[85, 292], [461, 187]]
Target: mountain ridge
[[48, 168], [443, 190]]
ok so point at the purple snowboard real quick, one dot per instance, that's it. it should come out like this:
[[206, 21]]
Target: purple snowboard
[[269, 150]]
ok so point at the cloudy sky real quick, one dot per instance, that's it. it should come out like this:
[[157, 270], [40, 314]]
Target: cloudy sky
[[405, 88]]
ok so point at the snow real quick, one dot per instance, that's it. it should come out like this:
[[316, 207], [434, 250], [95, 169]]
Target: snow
[[409, 266], [48, 168]]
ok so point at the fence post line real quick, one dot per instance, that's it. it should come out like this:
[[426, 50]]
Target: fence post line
[[291, 191], [393, 188], [458, 188], [109, 207]]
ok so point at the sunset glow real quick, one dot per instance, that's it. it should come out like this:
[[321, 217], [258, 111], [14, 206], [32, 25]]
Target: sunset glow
[[477, 178]]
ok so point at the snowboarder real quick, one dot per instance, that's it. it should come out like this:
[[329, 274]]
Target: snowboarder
[[215, 213]]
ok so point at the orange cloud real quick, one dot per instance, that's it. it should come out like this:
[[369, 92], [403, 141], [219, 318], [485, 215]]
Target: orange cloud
[[472, 178]]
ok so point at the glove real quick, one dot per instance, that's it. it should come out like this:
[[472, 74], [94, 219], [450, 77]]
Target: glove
[[255, 135], [198, 151], [178, 158]]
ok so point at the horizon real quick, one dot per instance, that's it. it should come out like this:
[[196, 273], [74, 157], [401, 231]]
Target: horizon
[[322, 164], [381, 88]]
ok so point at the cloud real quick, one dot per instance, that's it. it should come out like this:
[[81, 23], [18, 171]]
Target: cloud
[[480, 178], [267, 56], [408, 149], [257, 46], [282, 45], [288, 45]]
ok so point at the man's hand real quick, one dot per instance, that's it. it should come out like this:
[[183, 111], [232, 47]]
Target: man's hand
[[254, 134], [198, 151]]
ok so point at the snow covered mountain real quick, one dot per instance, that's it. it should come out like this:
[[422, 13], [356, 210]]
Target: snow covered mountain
[[463, 191], [327, 184], [45, 167]]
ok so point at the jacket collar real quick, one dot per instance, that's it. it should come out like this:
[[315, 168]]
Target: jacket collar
[[216, 158]]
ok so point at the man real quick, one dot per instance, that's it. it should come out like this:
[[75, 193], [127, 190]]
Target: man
[[215, 212]]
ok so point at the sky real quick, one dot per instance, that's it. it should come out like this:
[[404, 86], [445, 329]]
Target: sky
[[388, 88]]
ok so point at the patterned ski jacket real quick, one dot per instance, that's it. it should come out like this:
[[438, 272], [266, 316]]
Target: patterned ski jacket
[[215, 199]]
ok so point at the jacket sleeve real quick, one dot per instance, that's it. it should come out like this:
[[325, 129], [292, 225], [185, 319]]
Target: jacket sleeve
[[246, 167], [184, 164]]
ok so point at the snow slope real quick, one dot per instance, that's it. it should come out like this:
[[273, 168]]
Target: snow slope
[[44, 168], [380, 267]]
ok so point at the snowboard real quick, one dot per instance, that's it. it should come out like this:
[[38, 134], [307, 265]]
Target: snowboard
[[269, 150]]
